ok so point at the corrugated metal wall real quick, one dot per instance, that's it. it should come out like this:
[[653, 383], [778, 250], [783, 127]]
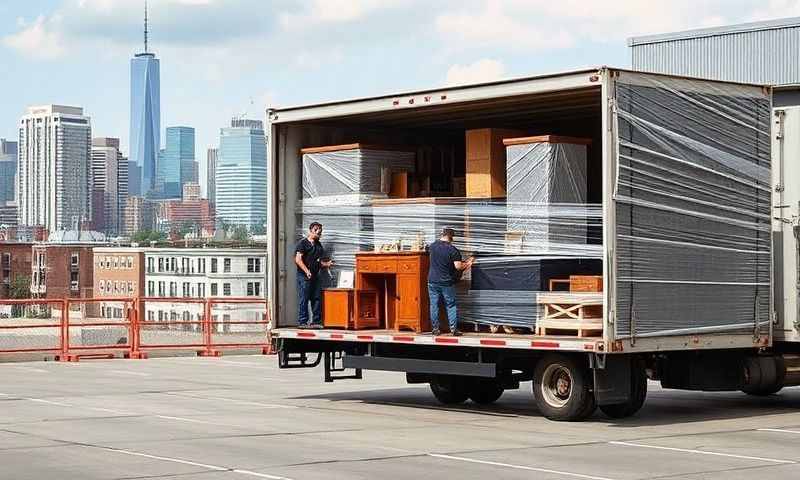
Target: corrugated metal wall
[[766, 56]]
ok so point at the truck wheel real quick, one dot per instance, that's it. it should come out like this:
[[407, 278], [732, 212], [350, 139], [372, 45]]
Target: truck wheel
[[449, 390], [638, 394], [485, 392], [763, 392], [562, 388]]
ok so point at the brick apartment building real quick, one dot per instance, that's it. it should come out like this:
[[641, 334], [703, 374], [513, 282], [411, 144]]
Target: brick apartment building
[[118, 273], [15, 261], [64, 267]]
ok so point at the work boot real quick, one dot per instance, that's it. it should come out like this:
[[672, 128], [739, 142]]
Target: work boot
[[457, 333], [436, 332]]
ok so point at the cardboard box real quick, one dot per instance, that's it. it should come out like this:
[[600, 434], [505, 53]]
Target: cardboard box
[[486, 162]]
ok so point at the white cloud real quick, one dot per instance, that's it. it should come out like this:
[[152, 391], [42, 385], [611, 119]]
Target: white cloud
[[335, 11], [494, 26], [37, 40], [483, 70]]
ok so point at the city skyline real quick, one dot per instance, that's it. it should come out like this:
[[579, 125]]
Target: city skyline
[[241, 57]]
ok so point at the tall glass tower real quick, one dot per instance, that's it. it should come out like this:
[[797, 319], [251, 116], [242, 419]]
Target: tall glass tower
[[241, 175], [145, 130], [172, 165]]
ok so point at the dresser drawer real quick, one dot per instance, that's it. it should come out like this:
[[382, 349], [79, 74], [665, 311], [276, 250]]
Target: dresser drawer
[[408, 266], [377, 266]]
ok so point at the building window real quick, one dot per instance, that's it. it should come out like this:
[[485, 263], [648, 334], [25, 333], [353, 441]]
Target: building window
[[226, 265], [151, 288], [174, 264], [130, 262], [130, 287], [150, 265], [226, 289], [186, 292], [214, 291], [201, 267], [160, 264], [73, 281], [162, 289], [108, 262], [173, 289], [253, 265], [213, 265], [102, 287], [253, 289], [150, 315], [115, 263], [201, 290], [73, 260], [160, 315]]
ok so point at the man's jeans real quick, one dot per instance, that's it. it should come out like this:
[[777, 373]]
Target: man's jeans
[[309, 291], [448, 292]]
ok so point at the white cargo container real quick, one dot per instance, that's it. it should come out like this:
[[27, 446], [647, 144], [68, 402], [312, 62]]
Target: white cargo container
[[681, 171]]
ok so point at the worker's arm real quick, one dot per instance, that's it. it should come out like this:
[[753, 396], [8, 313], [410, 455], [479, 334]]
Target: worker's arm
[[326, 263], [298, 260], [461, 266]]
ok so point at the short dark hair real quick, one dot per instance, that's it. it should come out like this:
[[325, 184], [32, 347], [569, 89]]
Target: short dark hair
[[314, 225], [448, 232]]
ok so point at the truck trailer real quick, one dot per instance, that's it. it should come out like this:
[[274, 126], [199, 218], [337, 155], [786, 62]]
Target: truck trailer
[[689, 213]]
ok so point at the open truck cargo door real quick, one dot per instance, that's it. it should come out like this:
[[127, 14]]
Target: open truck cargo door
[[692, 207]]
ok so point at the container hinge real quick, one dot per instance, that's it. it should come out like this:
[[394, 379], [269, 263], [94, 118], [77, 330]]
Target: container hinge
[[633, 327], [757, 315], [597, 361]]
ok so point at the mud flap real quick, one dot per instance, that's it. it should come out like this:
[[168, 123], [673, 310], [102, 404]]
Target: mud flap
[[612, 384]]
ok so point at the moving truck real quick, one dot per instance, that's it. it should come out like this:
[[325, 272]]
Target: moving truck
[[690, 211]]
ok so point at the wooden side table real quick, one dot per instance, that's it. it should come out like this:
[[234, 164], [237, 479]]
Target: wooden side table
[[337, 308], [397, 283]]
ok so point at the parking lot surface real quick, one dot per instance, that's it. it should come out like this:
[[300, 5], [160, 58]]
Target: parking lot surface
[[239, 417]]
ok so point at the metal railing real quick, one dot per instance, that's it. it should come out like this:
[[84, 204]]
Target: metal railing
[[72, 328]]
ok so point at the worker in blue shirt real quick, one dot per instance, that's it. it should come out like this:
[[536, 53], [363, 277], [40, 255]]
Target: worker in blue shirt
[[310, 260], [446, 267]]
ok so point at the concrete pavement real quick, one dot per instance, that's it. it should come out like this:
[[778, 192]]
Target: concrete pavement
[[240, 417]]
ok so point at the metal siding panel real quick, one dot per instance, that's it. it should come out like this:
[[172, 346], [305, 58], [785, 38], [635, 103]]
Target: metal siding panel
[[763, 56]]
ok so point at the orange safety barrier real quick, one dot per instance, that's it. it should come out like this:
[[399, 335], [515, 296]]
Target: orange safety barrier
[[34, 325], [102, 327]]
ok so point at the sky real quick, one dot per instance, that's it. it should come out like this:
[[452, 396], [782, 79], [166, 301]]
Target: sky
[[224, 58]]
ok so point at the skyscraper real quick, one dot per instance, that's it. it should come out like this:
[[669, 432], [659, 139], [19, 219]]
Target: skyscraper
[[176, 164], [211, 175], [8, 170], [134, 179], [145, 132], [241, 176], [54, 179], [109, 173]]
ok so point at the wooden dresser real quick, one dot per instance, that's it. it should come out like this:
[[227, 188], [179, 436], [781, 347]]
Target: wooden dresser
[[400, 298]]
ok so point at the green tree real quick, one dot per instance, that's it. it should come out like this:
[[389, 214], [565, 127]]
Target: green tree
[[240, 234], [145, 236], [20, 287]]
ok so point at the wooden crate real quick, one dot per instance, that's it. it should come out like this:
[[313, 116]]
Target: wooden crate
[[578, 314], [585, 283]]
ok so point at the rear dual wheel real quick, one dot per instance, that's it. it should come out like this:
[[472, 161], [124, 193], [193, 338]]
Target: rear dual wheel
[[453, 389], [562, 387]]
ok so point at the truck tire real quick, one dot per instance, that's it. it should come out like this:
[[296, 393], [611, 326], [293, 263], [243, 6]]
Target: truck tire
[[450, 390], [763, 392], [485, 391], [638, 394], [562, 387]]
